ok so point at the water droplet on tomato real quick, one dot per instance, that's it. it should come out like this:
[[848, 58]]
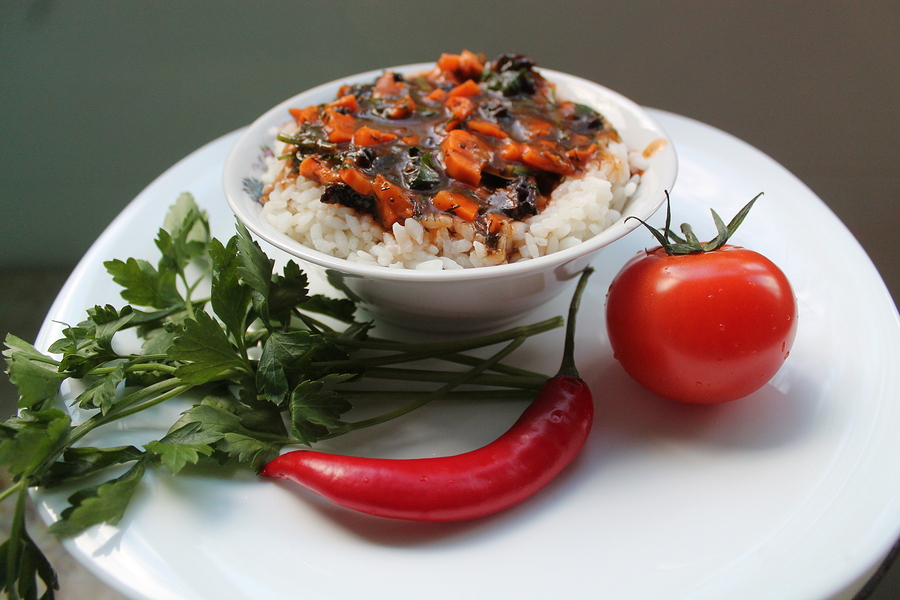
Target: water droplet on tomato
[[424, 479]]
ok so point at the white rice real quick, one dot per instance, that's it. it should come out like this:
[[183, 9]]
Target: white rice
[[579, 208]]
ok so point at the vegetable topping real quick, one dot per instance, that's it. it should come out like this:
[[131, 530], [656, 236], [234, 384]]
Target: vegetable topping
[[484, 141]]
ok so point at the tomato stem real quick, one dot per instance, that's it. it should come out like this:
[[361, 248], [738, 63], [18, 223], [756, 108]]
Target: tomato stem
[[674, 244]]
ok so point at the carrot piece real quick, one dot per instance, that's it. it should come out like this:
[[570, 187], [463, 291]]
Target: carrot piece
[[448, 62], [456, 68], [495, 222], [486, 128], [304, 115], [456, 203], [460, 107], [533, 128], [314, 169], [470, 64], [464, 156], [356, 179], [469, 88], [367, 136], [395, 205], [546, 157], [338, 126], [388, 86], [437, 95], [347, 102], [402, 108], [512, 151], [580, 156]]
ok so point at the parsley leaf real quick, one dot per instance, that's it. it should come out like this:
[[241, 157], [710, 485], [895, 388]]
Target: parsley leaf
[[36, 375], [30, 438], [83, 461], [315, 407], [237, 441], [205, 350], [184, 445], [287, 357], [229, 299], [143, 284], [104, 503], [102, 392], [22, 563]]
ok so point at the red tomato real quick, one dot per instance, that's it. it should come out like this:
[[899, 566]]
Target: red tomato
[[701, 328]]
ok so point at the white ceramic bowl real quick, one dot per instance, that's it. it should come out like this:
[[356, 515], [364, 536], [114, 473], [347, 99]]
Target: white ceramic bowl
[[468, 299]]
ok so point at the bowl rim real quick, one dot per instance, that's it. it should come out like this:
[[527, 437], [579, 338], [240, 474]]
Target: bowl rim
[[348, 268]]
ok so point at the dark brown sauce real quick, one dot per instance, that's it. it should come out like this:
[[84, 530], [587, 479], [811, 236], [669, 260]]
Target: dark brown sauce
[[484, 142]]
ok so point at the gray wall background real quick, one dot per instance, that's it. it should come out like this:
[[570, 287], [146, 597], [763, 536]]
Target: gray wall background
[[99, 98]]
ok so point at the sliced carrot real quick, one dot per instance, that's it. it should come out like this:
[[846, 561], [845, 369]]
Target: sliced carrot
[[470, 64], [437, 95], [367, 136], [388, 86], [395, 205], [512, 151], [581, 156], [468, 89], [347, 102], [464, 156], [356, 179], [337, 125], [456, 203], [448, 62], [304, 115], [495, 222], [314, 169], [402, 108], [486, 128], [460, 107], [458, 67], [546, 157], [533, 127]]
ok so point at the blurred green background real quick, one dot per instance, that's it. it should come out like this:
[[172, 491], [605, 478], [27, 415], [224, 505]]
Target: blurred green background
[[99, 98]]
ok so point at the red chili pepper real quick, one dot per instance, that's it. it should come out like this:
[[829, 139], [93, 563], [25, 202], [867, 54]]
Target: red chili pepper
[[540, 444]]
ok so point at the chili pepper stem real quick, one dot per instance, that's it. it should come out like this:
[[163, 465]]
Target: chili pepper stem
[[567, 367]]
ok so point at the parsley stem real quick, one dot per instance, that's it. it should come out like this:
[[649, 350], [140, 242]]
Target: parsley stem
[[137, 368], [407, 352], [128, 405], [444, 376], [509, 394], [462, 378], [11, 490], [153, 401], [16, 539], [465, 359]]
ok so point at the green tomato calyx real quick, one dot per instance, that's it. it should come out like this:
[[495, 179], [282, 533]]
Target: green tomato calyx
[[673, 244]]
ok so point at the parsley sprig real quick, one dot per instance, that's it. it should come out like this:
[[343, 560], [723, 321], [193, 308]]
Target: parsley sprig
[[248, 347]]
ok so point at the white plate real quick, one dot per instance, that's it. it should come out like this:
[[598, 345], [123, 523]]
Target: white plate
[[792, 493]]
